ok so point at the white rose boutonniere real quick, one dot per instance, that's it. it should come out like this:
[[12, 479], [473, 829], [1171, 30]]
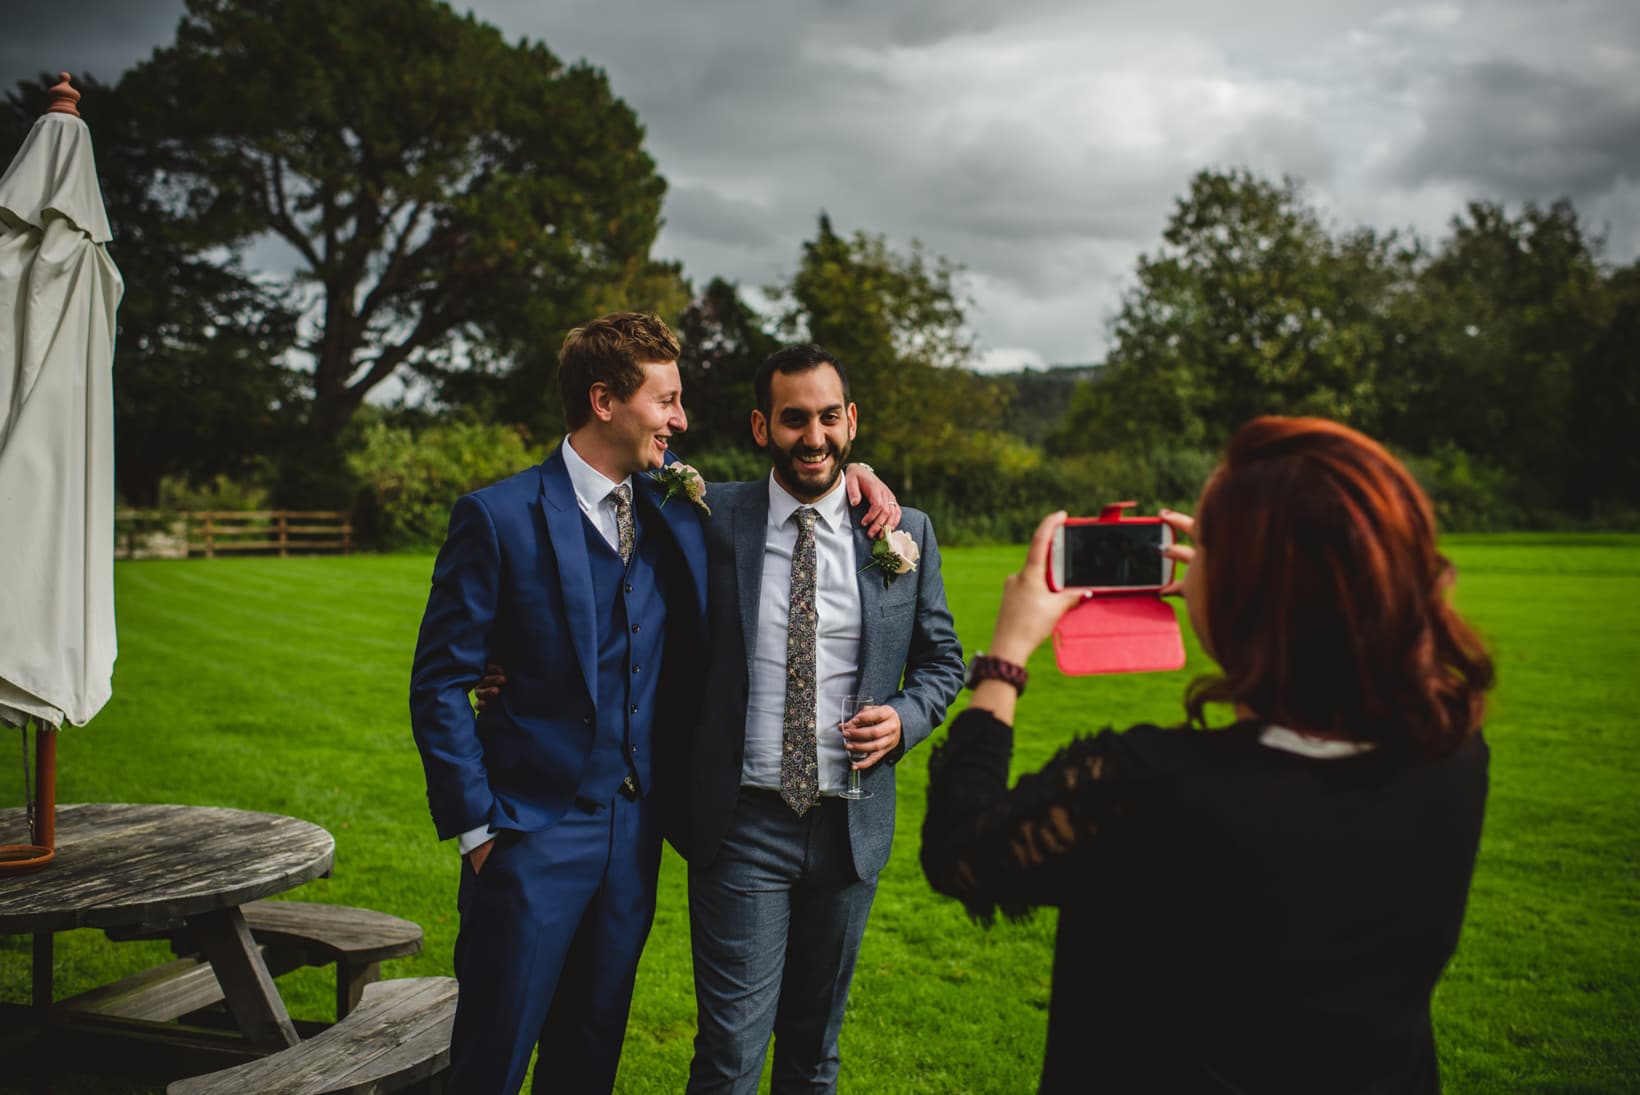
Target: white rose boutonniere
[[682, 479], [894, 553]]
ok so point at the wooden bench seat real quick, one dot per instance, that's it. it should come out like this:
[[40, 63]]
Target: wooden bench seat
[[305, 933], [398, 1036]]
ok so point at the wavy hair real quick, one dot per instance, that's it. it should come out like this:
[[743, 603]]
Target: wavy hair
[[611, 350], [1326, 600]]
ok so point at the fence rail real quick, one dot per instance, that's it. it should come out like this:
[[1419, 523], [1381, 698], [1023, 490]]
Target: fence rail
[[145, 534]]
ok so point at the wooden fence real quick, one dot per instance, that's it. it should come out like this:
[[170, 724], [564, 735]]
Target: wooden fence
[[140, 534]]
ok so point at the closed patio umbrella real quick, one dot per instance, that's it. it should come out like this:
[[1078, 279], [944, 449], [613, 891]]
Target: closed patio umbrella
[[58, 294]]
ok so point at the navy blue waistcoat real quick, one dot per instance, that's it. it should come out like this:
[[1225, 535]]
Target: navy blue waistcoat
[[631, 608]]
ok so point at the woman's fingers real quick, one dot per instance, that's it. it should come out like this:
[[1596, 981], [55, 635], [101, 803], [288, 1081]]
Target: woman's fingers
[[1183, 523], [1036, 558]]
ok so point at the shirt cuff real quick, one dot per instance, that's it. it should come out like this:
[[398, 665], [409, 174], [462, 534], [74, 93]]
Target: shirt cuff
[[472, 838]]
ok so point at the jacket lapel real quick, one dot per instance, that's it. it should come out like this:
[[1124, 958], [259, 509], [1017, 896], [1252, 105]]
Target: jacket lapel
[[750, 534], [870, 584], [683, 521], [569, 546]]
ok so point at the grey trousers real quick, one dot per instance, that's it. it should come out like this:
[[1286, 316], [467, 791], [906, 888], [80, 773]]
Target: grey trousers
[[776, 921]]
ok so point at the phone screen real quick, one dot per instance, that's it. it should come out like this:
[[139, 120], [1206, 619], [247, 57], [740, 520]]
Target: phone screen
[[1105, 555]]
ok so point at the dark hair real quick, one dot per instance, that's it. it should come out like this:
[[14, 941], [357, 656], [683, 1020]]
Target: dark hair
[[793, 359], [610, 350], [1326, 598]]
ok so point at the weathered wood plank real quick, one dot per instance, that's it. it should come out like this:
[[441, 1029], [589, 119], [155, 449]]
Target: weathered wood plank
[[399, 1035], [165, 992], [309, 933], [124, 864], [246, 982]]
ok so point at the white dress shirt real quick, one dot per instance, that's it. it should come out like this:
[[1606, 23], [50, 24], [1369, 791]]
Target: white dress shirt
[[837, 635], [594, 494]]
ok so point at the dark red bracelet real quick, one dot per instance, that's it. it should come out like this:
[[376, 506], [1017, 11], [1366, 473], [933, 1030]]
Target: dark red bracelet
[[983, 667]]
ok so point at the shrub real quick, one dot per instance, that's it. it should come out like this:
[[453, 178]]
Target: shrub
[[409, 478]]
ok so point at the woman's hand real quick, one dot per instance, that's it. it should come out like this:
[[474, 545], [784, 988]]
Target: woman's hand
[[1029, 609], [1183, 525]]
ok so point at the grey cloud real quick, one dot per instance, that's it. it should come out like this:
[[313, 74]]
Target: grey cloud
[[100, 38], [1522, 132], [701, 214]]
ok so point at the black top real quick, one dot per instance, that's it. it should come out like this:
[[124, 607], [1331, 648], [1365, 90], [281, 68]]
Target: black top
[[1234, 917]]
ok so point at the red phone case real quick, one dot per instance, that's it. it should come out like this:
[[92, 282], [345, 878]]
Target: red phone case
[[1122, 632]]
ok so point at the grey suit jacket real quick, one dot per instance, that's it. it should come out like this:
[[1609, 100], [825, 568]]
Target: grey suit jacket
[[906, 630]]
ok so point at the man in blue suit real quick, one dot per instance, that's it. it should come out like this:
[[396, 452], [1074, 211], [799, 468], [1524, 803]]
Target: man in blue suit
[[782, 869], [592, 594], [573, 576]]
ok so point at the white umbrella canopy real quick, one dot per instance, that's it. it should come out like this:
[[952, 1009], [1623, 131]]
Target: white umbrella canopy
[[58, 295]]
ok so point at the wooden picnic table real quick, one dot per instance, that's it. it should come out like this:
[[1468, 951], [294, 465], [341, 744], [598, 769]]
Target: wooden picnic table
[[132, 867]]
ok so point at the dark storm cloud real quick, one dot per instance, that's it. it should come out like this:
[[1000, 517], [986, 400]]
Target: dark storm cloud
[[1523, 132], [100, 38], [1041, 144]]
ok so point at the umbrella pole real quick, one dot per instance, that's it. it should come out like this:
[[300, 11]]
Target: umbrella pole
[[45, 788], [17, 858]]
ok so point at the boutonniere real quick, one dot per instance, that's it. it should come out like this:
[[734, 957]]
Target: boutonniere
[[680, 478], [894, 553]]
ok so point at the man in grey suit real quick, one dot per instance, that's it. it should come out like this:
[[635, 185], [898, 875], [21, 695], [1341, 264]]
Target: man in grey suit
[[782, 870]]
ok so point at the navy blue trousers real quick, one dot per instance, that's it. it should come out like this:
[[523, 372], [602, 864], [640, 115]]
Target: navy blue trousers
[[551, 932]]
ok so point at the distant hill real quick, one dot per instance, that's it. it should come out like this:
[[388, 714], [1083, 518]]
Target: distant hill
[[1040, 397]]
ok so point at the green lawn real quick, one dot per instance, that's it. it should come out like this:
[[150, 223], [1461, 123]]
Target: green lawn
[[280, 685]]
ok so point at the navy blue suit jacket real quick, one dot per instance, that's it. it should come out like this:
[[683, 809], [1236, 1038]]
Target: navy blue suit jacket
[[513, 585]]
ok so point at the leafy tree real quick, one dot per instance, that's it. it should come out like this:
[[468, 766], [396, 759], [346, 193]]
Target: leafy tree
[[200, 390], [896, 323], [1603, 464], [447, 197], [724, 341], [1250, 307], [1505, 311]]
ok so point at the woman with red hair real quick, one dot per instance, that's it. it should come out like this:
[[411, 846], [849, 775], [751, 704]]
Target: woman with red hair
[[1264, 907]]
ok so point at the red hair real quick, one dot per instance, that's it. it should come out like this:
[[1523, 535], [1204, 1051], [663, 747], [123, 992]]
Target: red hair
[[1325, 597]]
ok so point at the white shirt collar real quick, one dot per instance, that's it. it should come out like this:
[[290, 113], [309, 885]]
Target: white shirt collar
[[1290, 741], [832, 508], [591, 485]]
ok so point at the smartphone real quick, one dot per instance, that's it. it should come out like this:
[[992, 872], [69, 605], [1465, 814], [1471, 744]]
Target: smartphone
[[1110, 556]]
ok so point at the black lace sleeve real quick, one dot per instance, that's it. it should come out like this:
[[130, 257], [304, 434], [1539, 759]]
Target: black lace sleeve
[[995, 848]]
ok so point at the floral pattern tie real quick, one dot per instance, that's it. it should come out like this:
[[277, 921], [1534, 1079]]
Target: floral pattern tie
[[624, 530], [799, 758]]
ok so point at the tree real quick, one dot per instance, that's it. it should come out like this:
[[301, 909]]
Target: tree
[[1505, 311], [1250, 307], [724, 341], [199, 385], [896, 323], [446, 196]]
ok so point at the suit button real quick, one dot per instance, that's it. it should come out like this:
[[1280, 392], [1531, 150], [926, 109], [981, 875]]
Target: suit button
[[634, 669], [631, 748], [634, 709], [586, 720], [635, 629], [629, 589]]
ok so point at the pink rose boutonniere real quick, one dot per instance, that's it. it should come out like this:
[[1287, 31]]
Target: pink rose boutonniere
[[894, 553], [682, 479]]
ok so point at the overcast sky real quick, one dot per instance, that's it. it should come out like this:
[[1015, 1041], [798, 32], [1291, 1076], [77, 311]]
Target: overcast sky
[[1041, 143]]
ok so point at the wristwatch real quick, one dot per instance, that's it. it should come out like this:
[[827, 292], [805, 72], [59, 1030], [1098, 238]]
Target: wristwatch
[[983, 667]]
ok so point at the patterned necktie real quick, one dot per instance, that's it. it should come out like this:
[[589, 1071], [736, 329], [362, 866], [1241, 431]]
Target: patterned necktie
[[623, 520], [799, 760]]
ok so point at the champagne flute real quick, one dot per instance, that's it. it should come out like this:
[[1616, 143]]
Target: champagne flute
[[847, 706]]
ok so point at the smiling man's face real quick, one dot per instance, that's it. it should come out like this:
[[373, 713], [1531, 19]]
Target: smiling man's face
[[808, 432], [644, 423]]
